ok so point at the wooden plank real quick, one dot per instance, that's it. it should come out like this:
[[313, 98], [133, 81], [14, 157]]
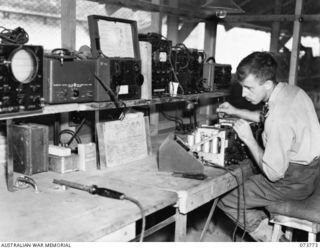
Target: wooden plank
[[9, 155], [181, 227], [152, 7], [294, 59], [122, 141], [146, 69], [210, 38], [304, 225], [92, 106], [186, 30], [156, 20], [272, 18], [124, 234], [275, 30], [173, 25], [68, 24]]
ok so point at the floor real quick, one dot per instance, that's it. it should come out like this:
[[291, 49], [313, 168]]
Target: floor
[[220, 229]]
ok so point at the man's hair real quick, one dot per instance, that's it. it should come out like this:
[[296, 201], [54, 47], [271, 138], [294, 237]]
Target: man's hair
[[260, 64]]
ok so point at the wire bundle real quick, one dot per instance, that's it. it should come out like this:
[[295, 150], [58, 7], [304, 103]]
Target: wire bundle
[[15, 36]]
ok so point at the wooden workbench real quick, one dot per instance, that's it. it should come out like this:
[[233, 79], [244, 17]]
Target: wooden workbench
[[191, 193], [74, 215], [55, 214]]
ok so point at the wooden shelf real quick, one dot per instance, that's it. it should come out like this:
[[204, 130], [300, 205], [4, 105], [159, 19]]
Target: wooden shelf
[[93, 106]]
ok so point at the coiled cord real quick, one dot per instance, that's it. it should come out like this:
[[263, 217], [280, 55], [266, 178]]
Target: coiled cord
[[15, 36]]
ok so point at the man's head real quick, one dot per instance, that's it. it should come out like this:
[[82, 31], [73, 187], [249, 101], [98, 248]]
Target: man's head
[[257, 75]]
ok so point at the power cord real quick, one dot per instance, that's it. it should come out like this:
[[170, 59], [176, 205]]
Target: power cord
[[207, 163], [114, 98], [15, 36], [143, 227], [105, 192]]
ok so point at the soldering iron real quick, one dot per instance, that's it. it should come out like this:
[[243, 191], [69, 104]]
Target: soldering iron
[[105, 192]]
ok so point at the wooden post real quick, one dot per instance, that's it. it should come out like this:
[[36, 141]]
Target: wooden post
[[156, 26], [68, 24], [173, 25], [294, 60], [156, 19], [9, 156], [275, 31], [210, 50], [185, 31], [210, 38]]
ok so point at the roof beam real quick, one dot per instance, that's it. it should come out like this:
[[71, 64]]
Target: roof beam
[[186, 30], [272, 18], [152, 7]]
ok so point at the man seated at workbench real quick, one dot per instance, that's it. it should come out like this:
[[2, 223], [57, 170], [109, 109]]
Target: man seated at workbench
[[289, 161]]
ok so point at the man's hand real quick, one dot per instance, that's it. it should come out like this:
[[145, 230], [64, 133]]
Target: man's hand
[[244, 131], [227, 108]]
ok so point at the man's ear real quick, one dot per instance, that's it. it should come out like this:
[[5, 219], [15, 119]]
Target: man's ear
[[268, 84]]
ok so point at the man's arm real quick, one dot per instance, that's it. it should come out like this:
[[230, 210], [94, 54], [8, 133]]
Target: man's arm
[[244, 132], [229, 109]]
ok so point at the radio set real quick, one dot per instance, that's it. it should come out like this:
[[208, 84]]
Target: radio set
[[112, 67], [218, 144], [217, 75], [115, 46], [21, 76], [69, 82], [188, 65], [161, 66], [123, 76]]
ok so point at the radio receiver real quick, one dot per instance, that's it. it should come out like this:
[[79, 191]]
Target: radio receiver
[[21, 78], [161, 66], [115, 45], [69, 80]]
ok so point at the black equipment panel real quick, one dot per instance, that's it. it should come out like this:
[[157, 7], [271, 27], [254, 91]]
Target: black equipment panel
[[21, 78], [222, 75], [188, 64], [122, 75], [161, 66]]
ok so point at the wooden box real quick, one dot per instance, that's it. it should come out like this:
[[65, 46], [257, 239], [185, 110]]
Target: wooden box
[[30, 148]]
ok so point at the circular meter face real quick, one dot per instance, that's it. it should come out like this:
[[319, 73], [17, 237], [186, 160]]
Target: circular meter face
[[23, 66]]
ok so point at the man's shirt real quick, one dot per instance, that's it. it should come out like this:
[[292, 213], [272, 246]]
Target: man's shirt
[[292, 131]]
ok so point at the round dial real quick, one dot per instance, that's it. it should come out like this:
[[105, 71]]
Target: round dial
[[23, 65]]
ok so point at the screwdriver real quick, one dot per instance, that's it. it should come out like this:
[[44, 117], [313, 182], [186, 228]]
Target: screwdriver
[[93, 189]]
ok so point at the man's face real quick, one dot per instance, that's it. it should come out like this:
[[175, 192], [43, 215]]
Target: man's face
[[253, 90]]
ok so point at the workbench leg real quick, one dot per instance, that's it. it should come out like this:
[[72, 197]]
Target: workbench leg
[[181, 227], [9, 155], [96, 120]]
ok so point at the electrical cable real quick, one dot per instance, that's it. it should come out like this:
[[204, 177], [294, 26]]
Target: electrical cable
[[207, 163], [15, 36], [114, 98], [174, 119], [244, 206], [70, 132], [215, 202], [76, 131], [143, 227], [174, 74], [108, 193]]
